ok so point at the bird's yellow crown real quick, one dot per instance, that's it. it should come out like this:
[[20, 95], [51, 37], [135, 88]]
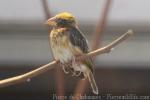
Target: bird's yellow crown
[[65, 15]]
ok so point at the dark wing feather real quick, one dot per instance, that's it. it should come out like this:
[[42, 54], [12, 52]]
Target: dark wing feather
[[77, 39]]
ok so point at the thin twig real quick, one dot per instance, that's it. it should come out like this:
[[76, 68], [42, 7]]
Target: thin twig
[[110, 46], [82, 84], [101, 24], [25, 77], [59, 74], [46, 8], [42, 69]]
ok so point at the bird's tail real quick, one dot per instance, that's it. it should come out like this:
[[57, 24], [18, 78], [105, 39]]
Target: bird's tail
[[92, 82]]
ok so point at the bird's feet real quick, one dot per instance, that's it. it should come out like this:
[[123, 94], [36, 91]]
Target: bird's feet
[[66, 67], [76, 73], [63, 65], [82, 76]]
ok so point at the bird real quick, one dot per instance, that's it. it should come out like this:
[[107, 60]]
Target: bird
[[68, 43]]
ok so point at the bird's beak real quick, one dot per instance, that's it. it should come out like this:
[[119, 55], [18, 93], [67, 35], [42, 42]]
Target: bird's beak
[[51, 21]]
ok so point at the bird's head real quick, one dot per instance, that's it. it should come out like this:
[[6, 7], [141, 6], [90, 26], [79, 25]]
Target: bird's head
[[64, 19]]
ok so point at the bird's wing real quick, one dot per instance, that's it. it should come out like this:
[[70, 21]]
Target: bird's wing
[[78, 40]]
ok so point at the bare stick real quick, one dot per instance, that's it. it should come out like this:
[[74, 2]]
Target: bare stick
[[25, 77], [82, 84], [110, 46], [42, 69], [46, 8], [101, 24], [59, 73]]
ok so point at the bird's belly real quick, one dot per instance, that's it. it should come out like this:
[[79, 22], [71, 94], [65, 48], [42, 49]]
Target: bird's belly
[[62, 54], [65, 55]]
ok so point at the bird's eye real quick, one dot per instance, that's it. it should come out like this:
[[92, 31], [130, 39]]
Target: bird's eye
[[61, 22]]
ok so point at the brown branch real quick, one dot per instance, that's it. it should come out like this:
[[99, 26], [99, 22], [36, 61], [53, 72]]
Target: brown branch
[[101, 24], [46, 8], [25, 77], [82, 84], [59, 74], [110, 46]]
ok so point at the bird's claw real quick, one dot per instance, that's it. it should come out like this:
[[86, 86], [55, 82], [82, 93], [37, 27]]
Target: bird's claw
[[77, 73], [65, 69]]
